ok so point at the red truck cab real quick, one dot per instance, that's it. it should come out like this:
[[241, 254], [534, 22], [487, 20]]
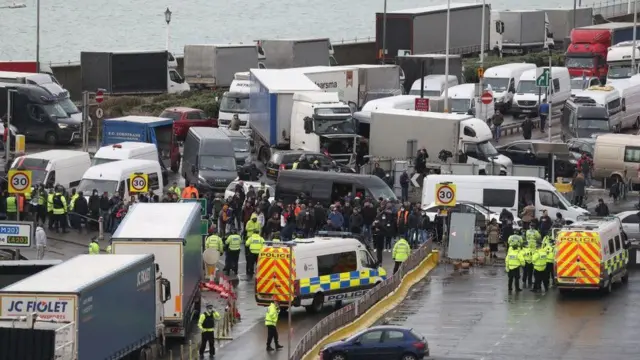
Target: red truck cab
[[184, 118], [587, 53]]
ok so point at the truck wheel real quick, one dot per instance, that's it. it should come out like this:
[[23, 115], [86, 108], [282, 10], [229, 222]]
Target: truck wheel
[[316, 305], [51, 138]]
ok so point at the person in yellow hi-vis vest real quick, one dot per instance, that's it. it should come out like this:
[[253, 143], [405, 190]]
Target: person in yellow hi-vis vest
[[214, 241], [233, 243], [400, 254], [12, 208], [254, 243], [108, 250], [175, 189], [206, 323], [60, 209], [270, 321], [94, 247], [252, 226], [50, 209]]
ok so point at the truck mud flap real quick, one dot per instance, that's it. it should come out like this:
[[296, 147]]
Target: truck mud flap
[[27, 344]]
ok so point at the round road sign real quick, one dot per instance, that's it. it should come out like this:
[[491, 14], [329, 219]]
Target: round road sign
[[19, 181], [445, 194], [138, 183], [99, 96], [99, 113], [486, 97]]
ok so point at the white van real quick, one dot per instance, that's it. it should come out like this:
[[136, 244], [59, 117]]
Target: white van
[[433, 85], [503, 81], [462, 98], [500, 192], [630, 92], [525, 101], [55, 167], [128, 150], [114, 177], [610, 98], [616, 156], [321, 265]]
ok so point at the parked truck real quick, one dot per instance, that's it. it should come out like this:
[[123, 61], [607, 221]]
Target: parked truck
[[434, 64], [289, 111], [130, 73], [518, 32], [12, 271], [562, 21], [235, 102], [147, 129], [171, 232], [214, 66], [587, 53], [291, 53], [421, 30], [89, 307], [436, 132], [619, 60]]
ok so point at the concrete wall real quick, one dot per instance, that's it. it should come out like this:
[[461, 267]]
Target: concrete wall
[[345, 54]]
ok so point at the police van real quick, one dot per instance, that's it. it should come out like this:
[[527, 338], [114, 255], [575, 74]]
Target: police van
[[325, 270], [591, 254]]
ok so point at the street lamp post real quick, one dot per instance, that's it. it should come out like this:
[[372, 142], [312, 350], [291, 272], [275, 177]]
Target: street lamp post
[[446, 61], [384, 33], [167, 18], [635, 46], [38, 36]]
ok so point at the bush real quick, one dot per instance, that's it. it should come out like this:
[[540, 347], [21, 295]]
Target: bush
[[116, 106], [540, 59]]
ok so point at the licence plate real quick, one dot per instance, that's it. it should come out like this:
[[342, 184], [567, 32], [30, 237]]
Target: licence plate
[[271, 171], [525, 110], [76, 136]]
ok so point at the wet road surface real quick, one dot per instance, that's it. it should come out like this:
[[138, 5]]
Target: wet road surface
[[471, 316]]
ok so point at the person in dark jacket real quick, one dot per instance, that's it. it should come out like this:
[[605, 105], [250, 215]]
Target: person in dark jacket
[[404, 185], [527, 127], [272, 225], [368, 217], [320, 216], [81, 208], [94, 208], [602, 209], [421, 161], [545, 224], [414, 227], [506, 220], [386, 219], [356, 220], [379, 235], [378, 171]]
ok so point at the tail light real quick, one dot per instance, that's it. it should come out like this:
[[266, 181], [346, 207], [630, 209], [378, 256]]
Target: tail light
[[419, 345], [282, 167]]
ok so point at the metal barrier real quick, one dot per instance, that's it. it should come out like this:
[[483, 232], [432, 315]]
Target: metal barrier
[[352, 311]]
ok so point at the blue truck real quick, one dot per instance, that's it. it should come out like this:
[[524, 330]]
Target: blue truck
[[147, 129], [89, 307], [171, 232]]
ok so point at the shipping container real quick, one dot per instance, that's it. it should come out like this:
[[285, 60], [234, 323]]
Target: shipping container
[[171, 232], [422, 30], [99, 306]]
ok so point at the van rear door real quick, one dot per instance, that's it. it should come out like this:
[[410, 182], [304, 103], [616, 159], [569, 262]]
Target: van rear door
[[273, 275], [578, 258]]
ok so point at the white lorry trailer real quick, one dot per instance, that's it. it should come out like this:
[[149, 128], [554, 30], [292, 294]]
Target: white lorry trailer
[[171, 232], [520, 31], [436, 132], [89, 307], [208, 66], [289, 111], [291, 53]]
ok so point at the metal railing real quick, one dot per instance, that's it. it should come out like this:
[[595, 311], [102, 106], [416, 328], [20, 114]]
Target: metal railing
[[611, 8], [350, 312]]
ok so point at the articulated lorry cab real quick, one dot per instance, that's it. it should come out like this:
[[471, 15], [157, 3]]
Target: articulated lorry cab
[[171, 232], [289, 111]]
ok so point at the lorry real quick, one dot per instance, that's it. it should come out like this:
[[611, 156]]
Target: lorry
[[619, 59], [434, 64], [131, 73], [235, 102], [12, 271], [291, 53], [587, 53], [171, 232], [342, 80], [214, 66], [436, 132], [519, 32], [421, 30], [562, 21], [26, 66], [117, 296], [146, 129], [289, 111]]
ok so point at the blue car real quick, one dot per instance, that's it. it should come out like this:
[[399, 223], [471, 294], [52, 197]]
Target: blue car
[[379, 343]]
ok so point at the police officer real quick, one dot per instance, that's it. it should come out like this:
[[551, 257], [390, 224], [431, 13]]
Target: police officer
[[94, 247], [270, 321], [275, 237], [533, 236], [175, 189], [514, 240], [512, 264], [73, 218], [540, 268], [213, 241], [400, 253], [254, 243], [551, 254], [233, 244], [302, 163], [527, 270], [108, 250], [206, 323], [50, 209], [252, 226], [60, 210], [12, 207]]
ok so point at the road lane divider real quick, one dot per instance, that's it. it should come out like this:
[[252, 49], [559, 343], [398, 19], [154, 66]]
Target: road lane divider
[[363, 313]]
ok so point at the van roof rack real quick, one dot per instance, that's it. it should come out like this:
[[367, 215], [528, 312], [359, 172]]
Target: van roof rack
[[584, 100]]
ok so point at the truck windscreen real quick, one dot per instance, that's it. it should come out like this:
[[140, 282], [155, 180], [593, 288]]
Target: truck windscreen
[[579, 62], [620, 71], [234, 103]]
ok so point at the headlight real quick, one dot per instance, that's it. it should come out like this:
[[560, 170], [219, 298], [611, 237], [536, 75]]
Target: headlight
[[500, 99], [202, 179], [63, 126]]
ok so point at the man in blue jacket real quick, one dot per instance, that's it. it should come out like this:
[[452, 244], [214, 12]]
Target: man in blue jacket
[[544, 114], [336, 219]]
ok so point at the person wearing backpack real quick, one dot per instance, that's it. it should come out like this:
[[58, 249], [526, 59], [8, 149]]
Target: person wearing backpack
[[59, 211]]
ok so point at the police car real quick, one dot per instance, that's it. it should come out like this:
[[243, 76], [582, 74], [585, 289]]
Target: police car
[[325, 270]]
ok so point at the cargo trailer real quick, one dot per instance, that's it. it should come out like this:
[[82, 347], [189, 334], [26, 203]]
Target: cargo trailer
[[291, 53], [214, 66]]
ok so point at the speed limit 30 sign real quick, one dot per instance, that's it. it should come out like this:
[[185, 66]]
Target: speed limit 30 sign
[[19, 181], [445, 195], [138, 183]]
